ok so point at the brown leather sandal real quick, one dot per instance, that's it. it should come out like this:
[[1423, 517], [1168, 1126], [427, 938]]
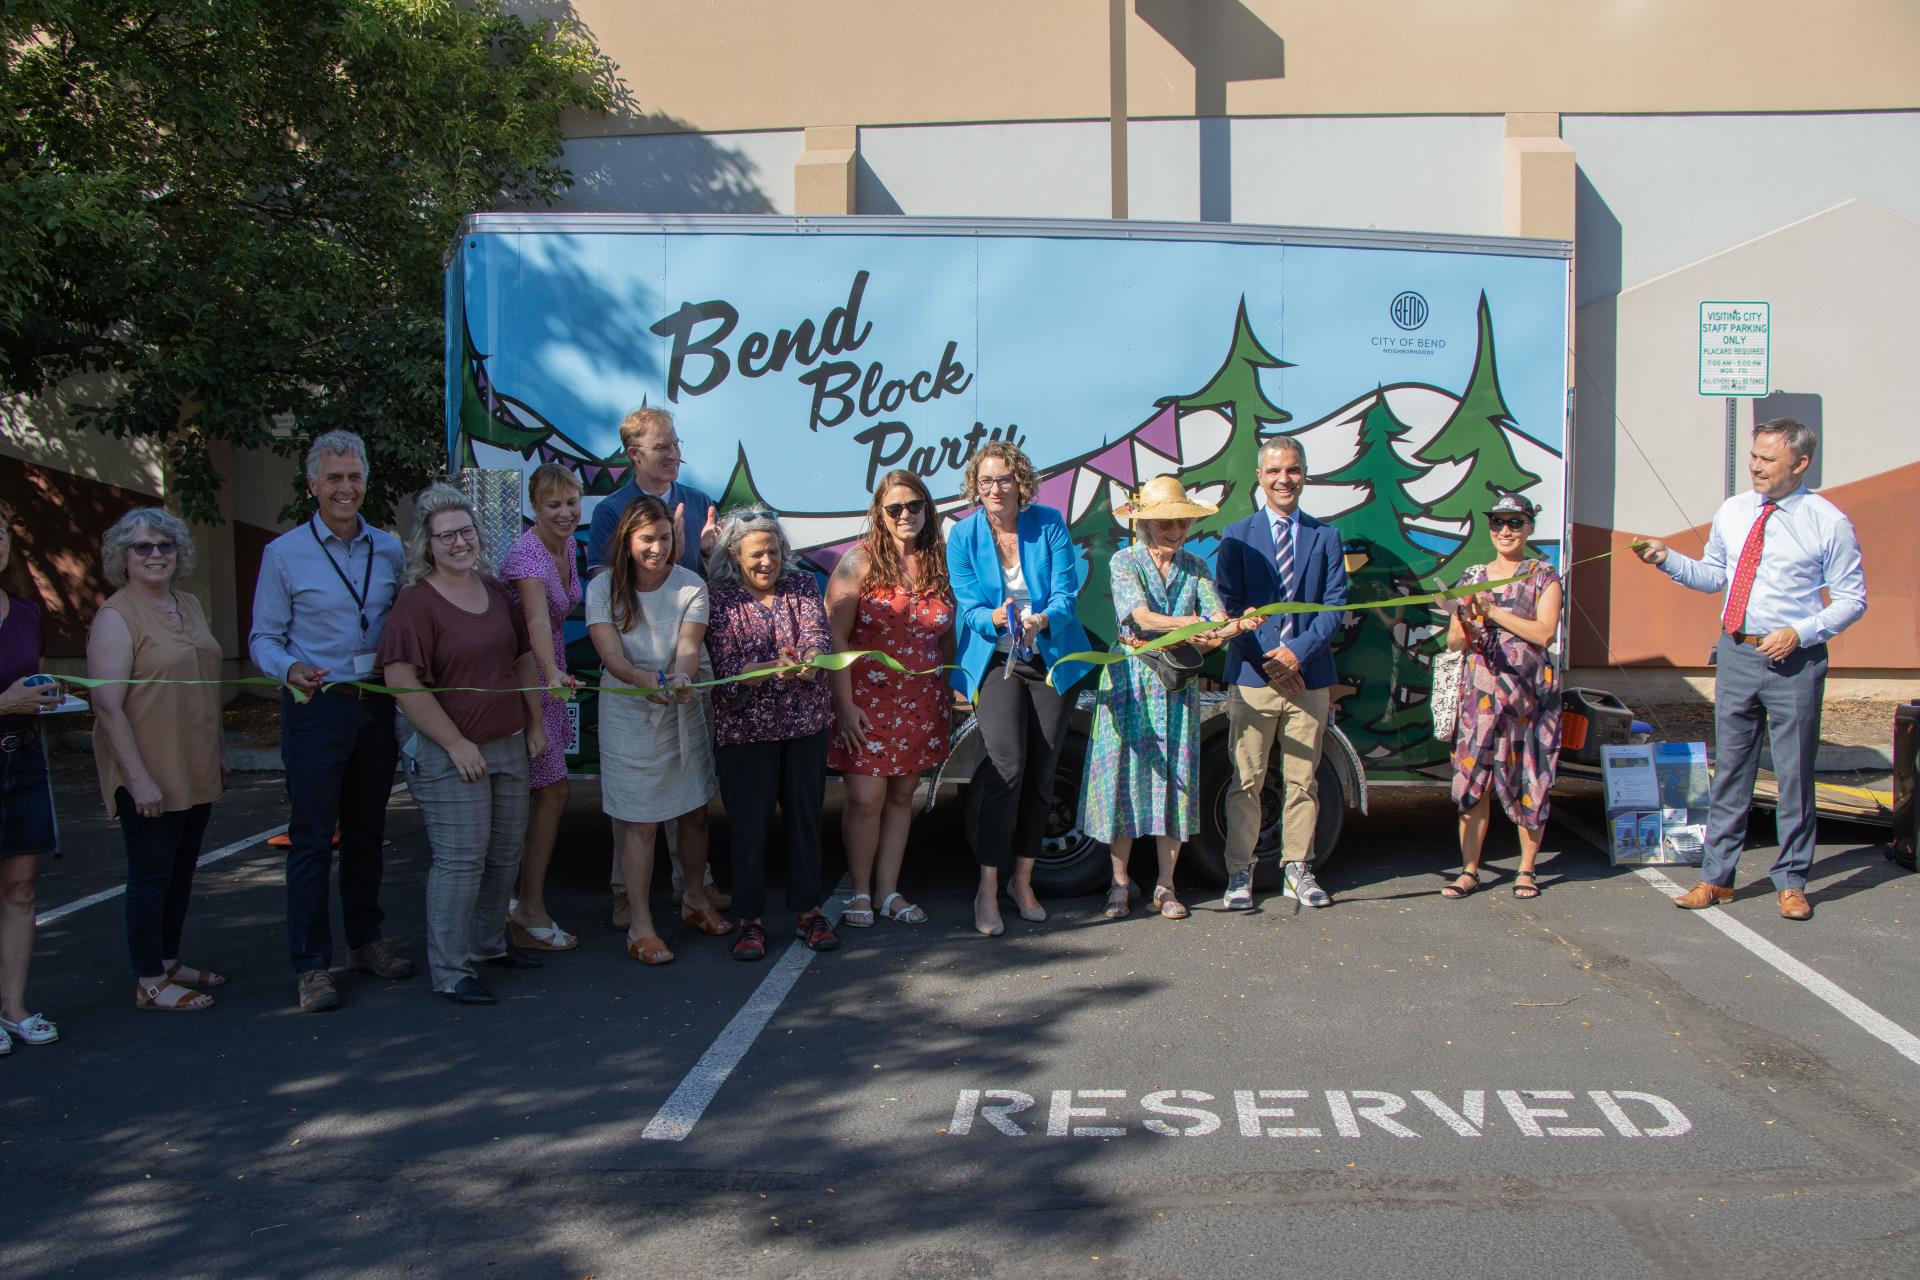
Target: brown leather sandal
[[649, 950], [707, 921], [201, 978], [185, 999]]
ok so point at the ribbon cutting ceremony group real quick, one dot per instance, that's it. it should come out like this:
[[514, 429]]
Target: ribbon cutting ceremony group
[[729, 669]]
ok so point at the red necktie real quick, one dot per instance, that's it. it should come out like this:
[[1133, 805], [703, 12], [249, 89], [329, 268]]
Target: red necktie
[[1734, 620]]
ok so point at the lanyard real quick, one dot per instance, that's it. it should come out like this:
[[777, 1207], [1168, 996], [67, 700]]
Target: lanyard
[[366, 582]]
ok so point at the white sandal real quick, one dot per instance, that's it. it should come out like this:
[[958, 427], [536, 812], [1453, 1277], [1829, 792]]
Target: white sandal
[[859, 917], [905, 913]]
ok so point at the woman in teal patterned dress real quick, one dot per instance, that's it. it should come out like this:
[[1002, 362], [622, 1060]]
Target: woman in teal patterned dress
[[1143, 762]]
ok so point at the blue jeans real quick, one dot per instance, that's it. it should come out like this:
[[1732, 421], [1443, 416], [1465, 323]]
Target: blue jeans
[[339, 753]]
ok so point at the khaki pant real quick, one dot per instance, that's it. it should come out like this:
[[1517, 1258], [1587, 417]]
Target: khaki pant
[[1256, 715]]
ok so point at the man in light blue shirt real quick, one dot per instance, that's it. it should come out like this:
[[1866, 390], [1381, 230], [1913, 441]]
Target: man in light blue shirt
[[1772, 551], [326, 587]]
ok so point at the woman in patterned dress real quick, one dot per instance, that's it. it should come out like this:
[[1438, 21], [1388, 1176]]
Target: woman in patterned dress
[[1507, 737], [541, 568], [889, 592], [1143, 759]]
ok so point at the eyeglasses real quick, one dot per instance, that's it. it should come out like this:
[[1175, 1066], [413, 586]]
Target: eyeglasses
[[665, 449], [466, 533], [155, 548], [914, 507], [1516, 523], [988, 483]]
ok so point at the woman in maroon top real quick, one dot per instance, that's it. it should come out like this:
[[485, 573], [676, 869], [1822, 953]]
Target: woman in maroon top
[[26, 800], [770, 731], [458, 629]]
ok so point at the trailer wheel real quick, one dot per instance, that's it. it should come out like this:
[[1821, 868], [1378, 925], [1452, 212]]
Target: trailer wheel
[[1209, 849], [1071, 863]]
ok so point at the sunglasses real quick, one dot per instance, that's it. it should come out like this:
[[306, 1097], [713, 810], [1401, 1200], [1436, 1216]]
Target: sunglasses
[[895, 510], [1516, 523], [152, 548]]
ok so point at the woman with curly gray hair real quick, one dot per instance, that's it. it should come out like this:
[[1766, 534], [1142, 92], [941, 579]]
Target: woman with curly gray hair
[[159, 747], [770, 730], [461, 631]]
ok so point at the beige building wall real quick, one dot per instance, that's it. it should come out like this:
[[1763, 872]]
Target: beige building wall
[[733, 65]]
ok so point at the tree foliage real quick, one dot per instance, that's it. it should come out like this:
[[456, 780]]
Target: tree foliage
[[234, 212], [1235, 390]]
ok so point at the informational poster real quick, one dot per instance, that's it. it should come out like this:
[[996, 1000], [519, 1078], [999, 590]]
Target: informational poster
[[1656, 795]]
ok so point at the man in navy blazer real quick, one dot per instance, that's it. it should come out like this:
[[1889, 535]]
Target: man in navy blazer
[[1278, 676]]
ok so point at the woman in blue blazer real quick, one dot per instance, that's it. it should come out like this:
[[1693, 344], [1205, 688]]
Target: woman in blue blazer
[[1015, 578]]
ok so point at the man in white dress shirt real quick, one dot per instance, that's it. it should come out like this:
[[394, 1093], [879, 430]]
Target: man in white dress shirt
[[1772, 551]]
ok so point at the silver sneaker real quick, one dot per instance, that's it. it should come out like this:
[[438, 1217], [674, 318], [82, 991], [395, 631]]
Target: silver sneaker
[[1239, 894], [1298, 882]]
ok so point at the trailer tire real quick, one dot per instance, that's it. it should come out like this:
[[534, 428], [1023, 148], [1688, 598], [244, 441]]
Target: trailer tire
[[1071, 863], [1208, 850]]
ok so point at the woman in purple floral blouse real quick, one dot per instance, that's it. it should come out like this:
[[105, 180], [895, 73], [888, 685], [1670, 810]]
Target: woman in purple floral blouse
[[770, 731]]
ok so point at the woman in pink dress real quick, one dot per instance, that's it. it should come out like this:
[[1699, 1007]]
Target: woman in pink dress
[[889, 592], [541, 567]]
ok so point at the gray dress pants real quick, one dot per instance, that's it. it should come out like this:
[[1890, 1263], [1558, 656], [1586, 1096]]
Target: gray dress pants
[[475, 830], [1750, 693]]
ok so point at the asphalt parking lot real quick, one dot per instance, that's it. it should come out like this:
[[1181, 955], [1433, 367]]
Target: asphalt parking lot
[[1591, 1083]]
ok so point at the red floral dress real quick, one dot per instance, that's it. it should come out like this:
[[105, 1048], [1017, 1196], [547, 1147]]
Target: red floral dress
[[908, 717]]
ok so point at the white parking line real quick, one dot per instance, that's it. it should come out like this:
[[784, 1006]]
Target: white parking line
[[1848, 1005], [206, 860], [684, 1107]]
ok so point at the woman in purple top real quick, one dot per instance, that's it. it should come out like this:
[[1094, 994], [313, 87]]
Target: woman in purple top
[[541, 567], [26, 800], [770, 731]]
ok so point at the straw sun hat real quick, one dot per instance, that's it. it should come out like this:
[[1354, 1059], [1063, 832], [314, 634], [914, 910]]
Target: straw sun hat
[[1164, 498]]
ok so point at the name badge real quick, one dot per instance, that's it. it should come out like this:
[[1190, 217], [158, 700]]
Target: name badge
[[363, 664]]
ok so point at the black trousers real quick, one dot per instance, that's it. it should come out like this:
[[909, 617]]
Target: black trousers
[[1024, 722], [339, 751], [161, 855], [753, 776]]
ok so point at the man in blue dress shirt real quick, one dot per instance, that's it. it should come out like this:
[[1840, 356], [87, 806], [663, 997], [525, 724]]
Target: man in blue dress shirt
[[325, 589], [1278, 677], [1772, 551]]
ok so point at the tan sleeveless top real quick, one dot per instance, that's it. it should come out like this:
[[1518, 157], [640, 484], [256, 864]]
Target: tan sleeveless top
[[176, 727]]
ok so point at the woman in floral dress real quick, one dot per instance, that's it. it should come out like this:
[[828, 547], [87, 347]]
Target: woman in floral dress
[[1143, 760], [889, 592], [541, 568], [1507, 736]]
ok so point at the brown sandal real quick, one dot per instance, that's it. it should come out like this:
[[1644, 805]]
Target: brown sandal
[[187, 1001], [202, 979], [649, 950], [707, 921], [1168, 904]]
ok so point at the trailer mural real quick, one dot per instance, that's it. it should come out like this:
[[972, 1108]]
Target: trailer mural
[[1403, 468]]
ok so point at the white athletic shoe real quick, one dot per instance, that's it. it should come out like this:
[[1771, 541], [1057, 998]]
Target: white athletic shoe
[[1297, 882]]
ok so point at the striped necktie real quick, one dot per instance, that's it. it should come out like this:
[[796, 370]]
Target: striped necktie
[[1283, 565]]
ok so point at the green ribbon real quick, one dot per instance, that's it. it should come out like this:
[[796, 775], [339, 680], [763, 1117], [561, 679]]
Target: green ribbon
[[1180, 635], [820, 661]]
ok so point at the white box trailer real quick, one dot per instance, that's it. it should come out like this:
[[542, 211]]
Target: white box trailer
[[803, 357]]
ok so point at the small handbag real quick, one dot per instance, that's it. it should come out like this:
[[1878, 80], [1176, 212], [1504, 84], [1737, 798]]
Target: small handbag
[[1445, 701], [1177, 665]]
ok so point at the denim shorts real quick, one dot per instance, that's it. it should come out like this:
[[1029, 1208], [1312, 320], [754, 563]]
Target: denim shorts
[[26, 798]]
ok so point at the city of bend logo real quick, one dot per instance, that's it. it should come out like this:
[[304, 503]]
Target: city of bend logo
[[1408, 309]]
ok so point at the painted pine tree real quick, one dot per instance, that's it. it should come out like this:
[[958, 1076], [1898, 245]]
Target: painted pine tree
[[1476, 431], [1370, 658], [1235, 390]]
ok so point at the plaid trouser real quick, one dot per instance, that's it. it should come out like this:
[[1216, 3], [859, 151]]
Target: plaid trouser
[[475, 830]]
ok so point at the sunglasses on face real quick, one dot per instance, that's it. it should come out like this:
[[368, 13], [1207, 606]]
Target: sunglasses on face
[[1516, 523], [914, 507], [154, 548]]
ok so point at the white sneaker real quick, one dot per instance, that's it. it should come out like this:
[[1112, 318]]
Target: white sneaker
[[1239, 894], [1297, 882], [6, 1044], [32, 1029]]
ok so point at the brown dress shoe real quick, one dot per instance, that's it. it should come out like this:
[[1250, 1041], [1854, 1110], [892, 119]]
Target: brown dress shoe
[[1794, 905], [1704, 894]]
